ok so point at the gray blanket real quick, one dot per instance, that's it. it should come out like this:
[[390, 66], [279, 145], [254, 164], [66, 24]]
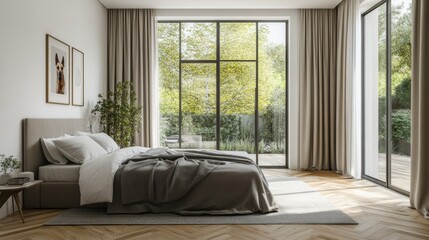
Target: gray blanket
[[190, 182]]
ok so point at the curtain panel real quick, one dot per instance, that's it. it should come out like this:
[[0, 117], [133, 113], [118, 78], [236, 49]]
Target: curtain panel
[[318, 128], [130, 58], [419, 192], [328, 79], [349, 93]]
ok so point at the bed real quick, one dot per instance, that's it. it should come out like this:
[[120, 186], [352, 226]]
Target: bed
[[139, 180], [53, 192]]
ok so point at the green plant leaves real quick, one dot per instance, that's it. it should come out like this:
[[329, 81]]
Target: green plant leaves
[[119, 113], [9, 164]]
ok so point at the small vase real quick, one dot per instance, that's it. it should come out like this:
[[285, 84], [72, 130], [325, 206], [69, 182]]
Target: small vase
[[4, 178]]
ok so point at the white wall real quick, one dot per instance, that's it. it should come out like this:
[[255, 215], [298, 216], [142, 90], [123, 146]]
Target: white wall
[[23, 26], [293, 16]]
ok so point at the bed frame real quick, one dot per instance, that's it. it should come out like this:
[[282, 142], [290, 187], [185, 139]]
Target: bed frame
[[48, 194]]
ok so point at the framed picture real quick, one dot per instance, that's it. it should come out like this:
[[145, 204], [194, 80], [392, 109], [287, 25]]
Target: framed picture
[[78, 87], [57, 71]]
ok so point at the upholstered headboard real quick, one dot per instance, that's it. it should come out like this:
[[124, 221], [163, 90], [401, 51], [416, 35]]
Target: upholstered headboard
[[34, 129]]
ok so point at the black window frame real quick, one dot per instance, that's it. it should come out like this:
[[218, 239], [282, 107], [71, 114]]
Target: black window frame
[[218, 61]]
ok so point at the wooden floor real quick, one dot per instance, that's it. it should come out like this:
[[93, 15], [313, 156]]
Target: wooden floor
[[381, 213]]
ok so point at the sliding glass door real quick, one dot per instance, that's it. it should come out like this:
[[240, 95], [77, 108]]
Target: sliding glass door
[[386, 94], [237, 86], [375, 94], [272, 102], [401, 93], [223, 85]]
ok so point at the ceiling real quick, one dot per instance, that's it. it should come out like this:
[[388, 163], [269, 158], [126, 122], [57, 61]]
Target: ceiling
[[220, 4]]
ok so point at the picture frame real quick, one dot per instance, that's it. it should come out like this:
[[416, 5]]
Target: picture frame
[[57, 71], [78, 78]]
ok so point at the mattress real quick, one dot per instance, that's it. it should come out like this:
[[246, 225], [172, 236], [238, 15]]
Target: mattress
[[59, 173]]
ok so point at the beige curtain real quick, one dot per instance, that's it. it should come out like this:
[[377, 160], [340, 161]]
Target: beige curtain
[[419, 194], [130, 34], [348, 85], [328, 77], [318, 90]]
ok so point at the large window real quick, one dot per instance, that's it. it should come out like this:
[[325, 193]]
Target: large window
[[223, 85], [386, 93]]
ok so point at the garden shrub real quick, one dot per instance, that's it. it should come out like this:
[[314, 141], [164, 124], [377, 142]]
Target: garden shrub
[[237, 131], [401, 131], [402, 97]]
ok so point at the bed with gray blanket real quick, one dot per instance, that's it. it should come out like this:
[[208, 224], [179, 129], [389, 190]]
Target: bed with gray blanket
[[187, 182], [190, 182]]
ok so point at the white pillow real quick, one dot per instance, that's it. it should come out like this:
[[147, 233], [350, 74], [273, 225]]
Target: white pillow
[[104, 140], [52, 154], [79, 133], [79, 149]]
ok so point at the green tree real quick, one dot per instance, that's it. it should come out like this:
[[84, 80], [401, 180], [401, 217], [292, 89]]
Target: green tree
[[237, 79], [168, 54], [401, 31], [402, 95], [401, 43]]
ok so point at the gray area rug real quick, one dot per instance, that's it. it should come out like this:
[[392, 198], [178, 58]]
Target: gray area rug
[[299, 204]]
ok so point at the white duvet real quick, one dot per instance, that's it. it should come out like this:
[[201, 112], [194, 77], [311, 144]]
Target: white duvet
[[97, 175]]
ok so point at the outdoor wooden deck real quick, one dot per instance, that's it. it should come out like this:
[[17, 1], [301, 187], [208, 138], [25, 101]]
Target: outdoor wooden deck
[[401, 167], [401, 170]]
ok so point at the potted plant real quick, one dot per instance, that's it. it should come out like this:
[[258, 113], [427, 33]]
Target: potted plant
[[8, 165], [119, 113]]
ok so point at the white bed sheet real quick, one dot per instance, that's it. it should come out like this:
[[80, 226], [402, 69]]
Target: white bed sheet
[[97, 175]]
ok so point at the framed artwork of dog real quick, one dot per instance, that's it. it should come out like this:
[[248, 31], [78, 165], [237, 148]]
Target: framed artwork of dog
[[57, 71], [78, 88]]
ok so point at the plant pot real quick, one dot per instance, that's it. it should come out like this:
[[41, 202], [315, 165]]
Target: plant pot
[[4, 178]]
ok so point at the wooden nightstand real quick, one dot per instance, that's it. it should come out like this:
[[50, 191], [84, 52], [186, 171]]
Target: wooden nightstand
[[12, 190]]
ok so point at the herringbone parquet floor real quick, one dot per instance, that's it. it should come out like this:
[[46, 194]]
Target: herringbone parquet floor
[[381, 213]]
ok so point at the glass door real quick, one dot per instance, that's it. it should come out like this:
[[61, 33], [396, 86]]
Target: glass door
[[375, 94], [401, 94], [387, 94], [272, 94], [238, 86], [223, 85]]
